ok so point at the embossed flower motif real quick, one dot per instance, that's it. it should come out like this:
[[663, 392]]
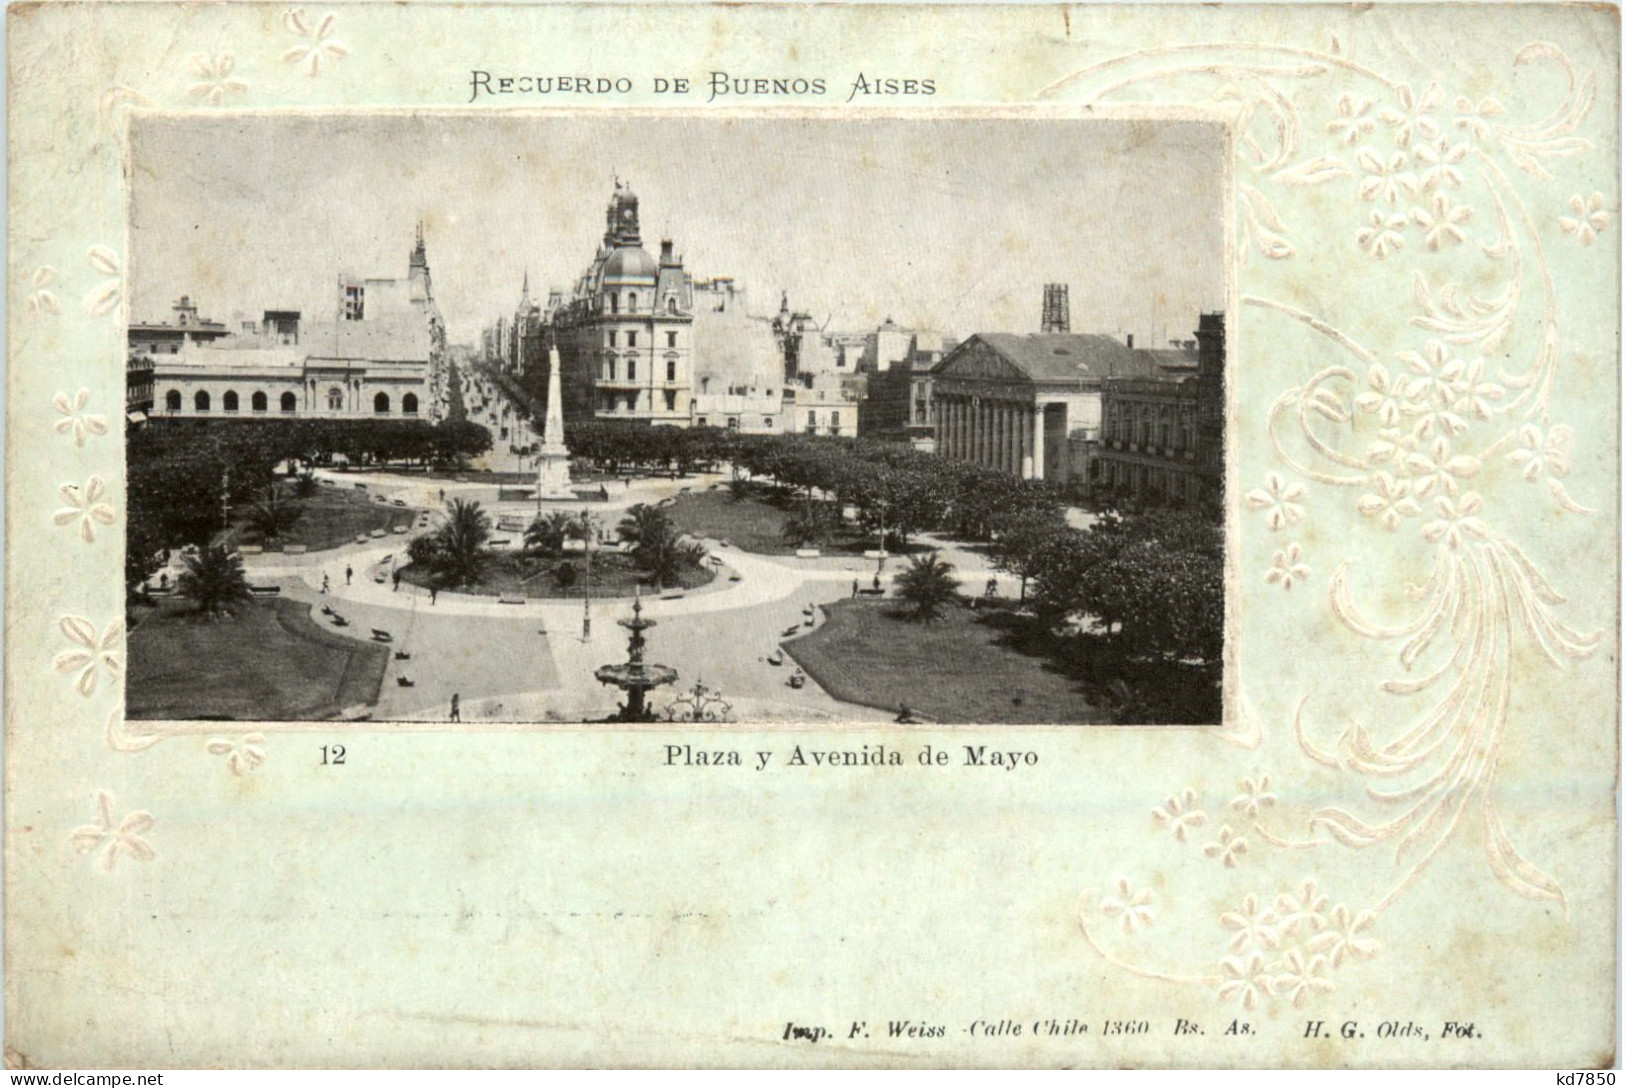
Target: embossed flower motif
[[1354, 119], [1413, 115], [214, 78], [1438, 161], [243, 754], [1475, 397], [41, 300], [1441, 222], [1428, 369], [1299, 977], [95, 653], [1439, 469], [1389, 502], [1386, 179], [75, 419], [1179, 814], [1384, 397], [1253, 925], [1227, 848], [1342, 938], [1288, 567], [309, 55], [85, 508], [112, 837], [105, 296], [1281, 502], [1132, 909], [1475, 117], [1382, 234], [1391, 445], [1246, 981], [1456, 522], [1537, 451], [1589, 218], [1255, 795], [1303, 909]]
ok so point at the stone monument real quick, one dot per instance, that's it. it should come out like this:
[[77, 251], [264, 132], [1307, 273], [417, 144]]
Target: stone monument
[[553, 462]]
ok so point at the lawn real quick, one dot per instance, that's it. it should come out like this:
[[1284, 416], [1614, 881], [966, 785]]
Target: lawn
[[756, 526], [956, 670], [612, 575], [331, 517], [270, 661]]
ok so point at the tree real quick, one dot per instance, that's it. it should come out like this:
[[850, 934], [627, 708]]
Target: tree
[[143, 556], [587, 528], [306, 485], [810, 526], [463, 535], [565, 575], [927, 584], [666, 561], [644, 524], [546, 534], [214, 580], [1023, 546], [273, 514]]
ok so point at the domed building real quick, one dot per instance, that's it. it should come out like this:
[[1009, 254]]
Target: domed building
[[624, 334]]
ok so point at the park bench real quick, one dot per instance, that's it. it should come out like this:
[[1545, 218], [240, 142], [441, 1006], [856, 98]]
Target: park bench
[[382, 636], [872, 554], [295, 549], [265, 591], [511, 598], [792, 630], [402, 655], [377, 534], [251, 549], [401, 530], [338, 620], [673, 596], [362, 538], [807, 553], [404, 682]]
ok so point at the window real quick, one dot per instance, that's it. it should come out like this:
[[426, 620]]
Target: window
[[201, 401], [700, 422], [671, 400], [671, 307], [671, 370], [355, 303], [631, 339], [229, 401], [767, 421], [614, 303], [380, 404], [733, 423], [258, 402], [335, 399], [611, 337], [289, 402], [631, 370], [409, 404], [609, 369], [172, 400], [631, 302], [812, 420], [671, 339]]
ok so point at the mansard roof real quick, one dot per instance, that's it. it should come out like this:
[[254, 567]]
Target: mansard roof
[[1052, 357]]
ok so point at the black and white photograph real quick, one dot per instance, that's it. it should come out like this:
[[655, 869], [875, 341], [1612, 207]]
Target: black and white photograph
[[726, 419]]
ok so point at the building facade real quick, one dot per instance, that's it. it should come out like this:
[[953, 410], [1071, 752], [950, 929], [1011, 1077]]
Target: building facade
[[624, 333], [1032, 405], [383, 357]]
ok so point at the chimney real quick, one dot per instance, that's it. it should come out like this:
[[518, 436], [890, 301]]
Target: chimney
[[1057, 317]]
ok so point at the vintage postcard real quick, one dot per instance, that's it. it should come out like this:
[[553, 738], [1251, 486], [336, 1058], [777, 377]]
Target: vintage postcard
[[812, 535]]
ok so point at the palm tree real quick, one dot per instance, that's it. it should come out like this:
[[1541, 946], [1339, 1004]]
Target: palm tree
[[644, 524], [214, 579], [462, 539], [305, 485], [548, 534], [273, 513], [928, 584]]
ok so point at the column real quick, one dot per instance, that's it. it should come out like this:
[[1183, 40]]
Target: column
[[959, 428], [1038, 441], [1012, 440], [975, 430], [996, 454], [1025, 443]]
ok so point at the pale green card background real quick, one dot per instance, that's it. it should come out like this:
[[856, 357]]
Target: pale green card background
[[559, 897]]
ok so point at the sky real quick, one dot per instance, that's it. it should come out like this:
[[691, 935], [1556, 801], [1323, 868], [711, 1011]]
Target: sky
[[952, 225]]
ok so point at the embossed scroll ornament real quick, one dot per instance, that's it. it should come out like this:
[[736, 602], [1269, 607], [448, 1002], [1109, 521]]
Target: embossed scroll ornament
[[1427, 438]]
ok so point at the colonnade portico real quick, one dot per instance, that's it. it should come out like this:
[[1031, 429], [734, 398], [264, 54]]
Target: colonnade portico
[[1003, 434]]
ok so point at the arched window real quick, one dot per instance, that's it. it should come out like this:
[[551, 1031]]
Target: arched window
[[409, 404], [289, 402], [380, 404], [258, 402], [631, 302], [335, 399], [201, 401], [229, 401], [172, 400], [671, 304], [614, 303]]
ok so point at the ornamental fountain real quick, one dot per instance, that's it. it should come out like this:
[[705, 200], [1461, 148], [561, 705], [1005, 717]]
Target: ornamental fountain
[[634, 676]]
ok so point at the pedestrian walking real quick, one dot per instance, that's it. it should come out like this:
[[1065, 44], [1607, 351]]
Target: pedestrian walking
[[456, 711], [397, 578], [877, 581], [854, 587], [434, 593], [349, 574], [325, 583]]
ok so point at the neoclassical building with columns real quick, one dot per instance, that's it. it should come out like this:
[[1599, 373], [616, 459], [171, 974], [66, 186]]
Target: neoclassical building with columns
[[1031, 405]]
